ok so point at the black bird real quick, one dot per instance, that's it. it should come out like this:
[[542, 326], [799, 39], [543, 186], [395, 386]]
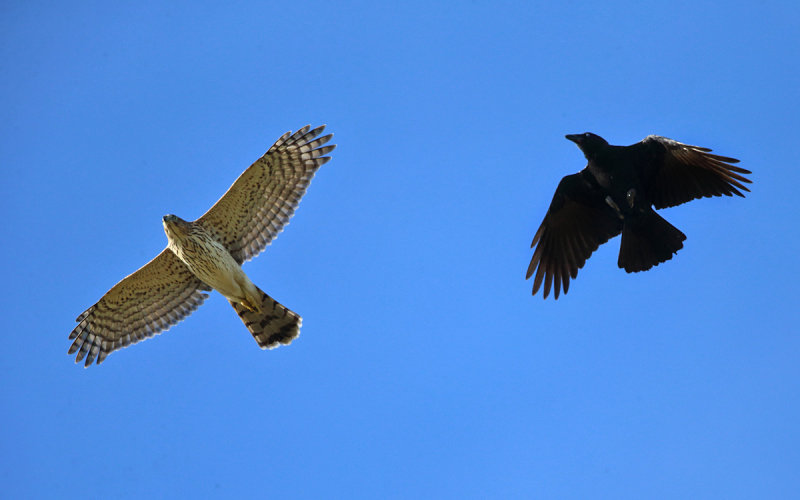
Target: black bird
[[617, 193]]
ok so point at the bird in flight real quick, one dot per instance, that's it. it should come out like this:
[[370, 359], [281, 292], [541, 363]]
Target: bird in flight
[[616, 193], [207, 254]]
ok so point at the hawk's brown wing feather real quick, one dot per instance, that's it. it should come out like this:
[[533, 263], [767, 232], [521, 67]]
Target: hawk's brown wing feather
[[150, 300], [260, 203]]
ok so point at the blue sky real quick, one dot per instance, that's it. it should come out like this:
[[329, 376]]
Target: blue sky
[[424, 367]]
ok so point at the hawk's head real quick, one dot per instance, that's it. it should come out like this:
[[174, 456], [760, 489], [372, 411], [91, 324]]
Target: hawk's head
[[175, 227]]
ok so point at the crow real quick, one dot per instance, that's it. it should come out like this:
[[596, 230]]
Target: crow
[[616, 193]]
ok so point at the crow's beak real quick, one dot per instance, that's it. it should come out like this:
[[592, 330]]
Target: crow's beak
[[573, 137]]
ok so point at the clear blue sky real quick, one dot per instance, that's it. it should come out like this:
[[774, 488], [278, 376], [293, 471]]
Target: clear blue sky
[[424, 368]]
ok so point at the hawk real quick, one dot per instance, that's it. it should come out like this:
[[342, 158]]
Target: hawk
[[207, 254], [616, 193]]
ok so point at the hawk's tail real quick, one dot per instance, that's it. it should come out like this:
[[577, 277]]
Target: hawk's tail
[[272, 326], [647, 241]]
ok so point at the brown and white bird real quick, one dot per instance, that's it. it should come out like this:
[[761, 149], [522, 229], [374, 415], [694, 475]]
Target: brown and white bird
[[207, 254], [616, 193]]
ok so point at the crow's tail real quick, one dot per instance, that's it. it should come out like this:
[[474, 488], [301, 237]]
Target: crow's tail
[[648, 240]]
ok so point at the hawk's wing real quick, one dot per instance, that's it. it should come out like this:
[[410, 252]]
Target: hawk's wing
[[259, 204], [150, 300], [674, 173], [577, 222]]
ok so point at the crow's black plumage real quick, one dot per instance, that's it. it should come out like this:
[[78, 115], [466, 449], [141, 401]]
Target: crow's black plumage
[[617, 193]]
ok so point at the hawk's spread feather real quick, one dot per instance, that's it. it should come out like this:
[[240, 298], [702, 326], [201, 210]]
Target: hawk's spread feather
[[244, 221], [259, 204]]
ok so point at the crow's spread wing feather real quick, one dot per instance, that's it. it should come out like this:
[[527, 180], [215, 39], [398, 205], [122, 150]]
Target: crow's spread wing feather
[[576, 224], [673, 173]]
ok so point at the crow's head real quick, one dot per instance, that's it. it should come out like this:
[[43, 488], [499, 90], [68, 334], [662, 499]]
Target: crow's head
[[589, 143]]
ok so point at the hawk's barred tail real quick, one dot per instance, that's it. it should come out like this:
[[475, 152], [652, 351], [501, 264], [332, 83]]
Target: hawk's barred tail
[[272, 326]]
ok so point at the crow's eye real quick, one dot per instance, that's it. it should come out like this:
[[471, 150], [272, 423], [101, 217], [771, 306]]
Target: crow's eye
[[587, 134]]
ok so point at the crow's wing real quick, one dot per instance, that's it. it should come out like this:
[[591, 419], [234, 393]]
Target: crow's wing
[[673, 173], [576, 224]]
